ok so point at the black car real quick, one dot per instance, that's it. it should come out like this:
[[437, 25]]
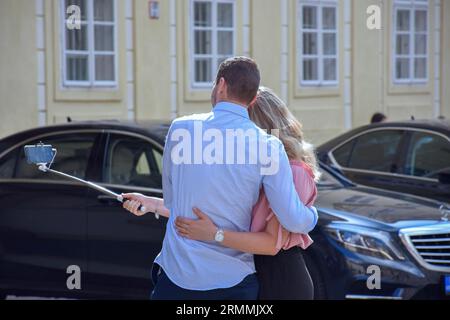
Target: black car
[[406, 238], [411, 157], [48, 225]]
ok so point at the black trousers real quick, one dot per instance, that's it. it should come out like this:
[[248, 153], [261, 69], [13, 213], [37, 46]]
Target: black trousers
[[284, 276]]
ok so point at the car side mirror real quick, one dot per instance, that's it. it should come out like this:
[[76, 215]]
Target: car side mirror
[[444, 177]]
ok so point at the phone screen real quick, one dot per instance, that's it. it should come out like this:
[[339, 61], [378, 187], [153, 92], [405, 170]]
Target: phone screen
[[39, 153]]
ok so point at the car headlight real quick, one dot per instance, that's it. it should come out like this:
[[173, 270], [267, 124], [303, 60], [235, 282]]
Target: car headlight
[[365, 241]]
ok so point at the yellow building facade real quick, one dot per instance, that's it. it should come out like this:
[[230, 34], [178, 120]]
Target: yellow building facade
[[142, 60]]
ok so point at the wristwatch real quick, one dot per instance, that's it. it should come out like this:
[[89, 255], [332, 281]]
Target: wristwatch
[[219, 235]]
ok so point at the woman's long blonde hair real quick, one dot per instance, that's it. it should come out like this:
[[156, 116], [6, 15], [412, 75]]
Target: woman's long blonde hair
[[270, 112]]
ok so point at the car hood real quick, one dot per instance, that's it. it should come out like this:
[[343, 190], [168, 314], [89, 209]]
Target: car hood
[[378, 206]]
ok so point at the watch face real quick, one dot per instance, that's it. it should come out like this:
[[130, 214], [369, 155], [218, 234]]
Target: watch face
[[219, 236]]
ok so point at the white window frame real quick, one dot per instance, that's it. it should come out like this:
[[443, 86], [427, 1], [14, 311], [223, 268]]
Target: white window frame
[[91, 53], [214, 29], [411, 6], [319, 4]]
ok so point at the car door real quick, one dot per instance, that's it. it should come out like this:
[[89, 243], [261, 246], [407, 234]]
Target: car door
[[43, 217], [426, 165], [122, 247], [371, 158]]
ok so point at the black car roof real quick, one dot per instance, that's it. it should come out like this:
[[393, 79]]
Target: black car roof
[[440, 126], [156, 130], [435, 124]]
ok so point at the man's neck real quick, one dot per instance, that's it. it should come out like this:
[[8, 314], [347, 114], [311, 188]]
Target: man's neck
[[234, 102]]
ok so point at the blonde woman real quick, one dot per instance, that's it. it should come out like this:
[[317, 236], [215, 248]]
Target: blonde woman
[[281, 269]]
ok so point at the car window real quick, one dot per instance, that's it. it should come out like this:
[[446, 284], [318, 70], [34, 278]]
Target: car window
[[158, 159], [132, 161], [428, 155], [342, 154], [72, 157], [376, 151], [8, 164]]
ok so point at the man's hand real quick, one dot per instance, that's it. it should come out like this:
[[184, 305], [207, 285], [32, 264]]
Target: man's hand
[[135, 200]]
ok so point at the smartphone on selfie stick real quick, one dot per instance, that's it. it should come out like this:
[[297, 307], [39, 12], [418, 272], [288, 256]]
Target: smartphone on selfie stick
[[43, 156]]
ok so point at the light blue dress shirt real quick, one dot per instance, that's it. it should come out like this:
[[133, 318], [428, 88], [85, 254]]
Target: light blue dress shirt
[[227, 194]]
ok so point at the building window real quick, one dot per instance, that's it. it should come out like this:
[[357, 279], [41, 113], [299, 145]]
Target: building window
[[318, 43], [410, 49], [212, 25], [89, 54]]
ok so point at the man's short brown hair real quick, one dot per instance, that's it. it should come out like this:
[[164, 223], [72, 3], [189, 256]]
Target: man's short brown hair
[[242, 77]]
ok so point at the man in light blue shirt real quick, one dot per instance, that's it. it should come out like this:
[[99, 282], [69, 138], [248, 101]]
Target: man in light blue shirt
[[218, 162]]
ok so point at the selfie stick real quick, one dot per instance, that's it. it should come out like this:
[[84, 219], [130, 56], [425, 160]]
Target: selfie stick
[[43, 167]]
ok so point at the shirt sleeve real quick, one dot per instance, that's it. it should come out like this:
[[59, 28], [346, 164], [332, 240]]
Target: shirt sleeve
[[167, 172], [280, 190]]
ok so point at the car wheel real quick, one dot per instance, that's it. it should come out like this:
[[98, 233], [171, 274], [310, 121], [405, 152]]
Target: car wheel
[[2, 295], [320, 291]]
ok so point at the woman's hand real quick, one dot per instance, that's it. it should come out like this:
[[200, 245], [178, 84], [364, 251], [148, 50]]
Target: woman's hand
[[135, 200], [202, 229]]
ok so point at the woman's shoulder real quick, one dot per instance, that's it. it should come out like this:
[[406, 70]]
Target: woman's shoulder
[[304, 182], [299, 167]]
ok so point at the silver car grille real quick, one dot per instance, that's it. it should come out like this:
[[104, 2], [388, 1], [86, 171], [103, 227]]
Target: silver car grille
[[429, 245]]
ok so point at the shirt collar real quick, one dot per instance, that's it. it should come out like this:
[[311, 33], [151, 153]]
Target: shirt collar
[[231, 107]]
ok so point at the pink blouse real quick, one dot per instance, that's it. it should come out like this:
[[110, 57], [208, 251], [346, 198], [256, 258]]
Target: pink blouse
[[307, 191]]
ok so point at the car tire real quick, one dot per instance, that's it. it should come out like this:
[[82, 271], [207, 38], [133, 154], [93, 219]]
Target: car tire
[[2, 295], [320, 291]]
